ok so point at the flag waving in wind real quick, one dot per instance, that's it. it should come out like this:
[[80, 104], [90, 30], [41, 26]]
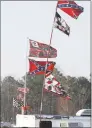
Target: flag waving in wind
[[70, 7], [20, 96], [38, 67], [15, 103], [41, 50], [23, 90], [61, 24], [52, 85]]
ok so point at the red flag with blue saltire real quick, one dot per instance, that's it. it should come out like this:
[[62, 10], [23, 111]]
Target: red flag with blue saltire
[[38, 67], [70, 7]]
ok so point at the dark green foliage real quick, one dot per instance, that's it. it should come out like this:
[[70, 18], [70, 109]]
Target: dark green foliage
[[78, 88]]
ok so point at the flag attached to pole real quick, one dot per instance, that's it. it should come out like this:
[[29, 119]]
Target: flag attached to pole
[[38, 67], [61, 24], [20, 96], [52, 85], [41, 50], [15, 103], [23, 90], [70, 7]]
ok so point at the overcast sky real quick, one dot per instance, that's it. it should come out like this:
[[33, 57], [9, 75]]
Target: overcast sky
[[34, 19]]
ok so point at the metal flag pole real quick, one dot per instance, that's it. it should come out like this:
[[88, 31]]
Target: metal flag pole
[[47, 63], [13, 111], [25, 84]]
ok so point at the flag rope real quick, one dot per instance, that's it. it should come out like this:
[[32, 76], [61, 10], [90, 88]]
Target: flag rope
[[41, 105]]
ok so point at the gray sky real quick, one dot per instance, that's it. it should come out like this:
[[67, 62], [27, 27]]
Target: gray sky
[[33, 19]]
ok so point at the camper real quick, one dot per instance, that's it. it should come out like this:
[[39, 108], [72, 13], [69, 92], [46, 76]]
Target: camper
[[82, 120]]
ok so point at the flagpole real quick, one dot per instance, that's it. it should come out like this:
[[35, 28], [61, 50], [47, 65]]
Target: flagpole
[[47, 63], [25, 84], [13, 113]]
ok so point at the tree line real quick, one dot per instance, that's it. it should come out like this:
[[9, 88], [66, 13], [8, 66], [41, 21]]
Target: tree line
[[79, 88]]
